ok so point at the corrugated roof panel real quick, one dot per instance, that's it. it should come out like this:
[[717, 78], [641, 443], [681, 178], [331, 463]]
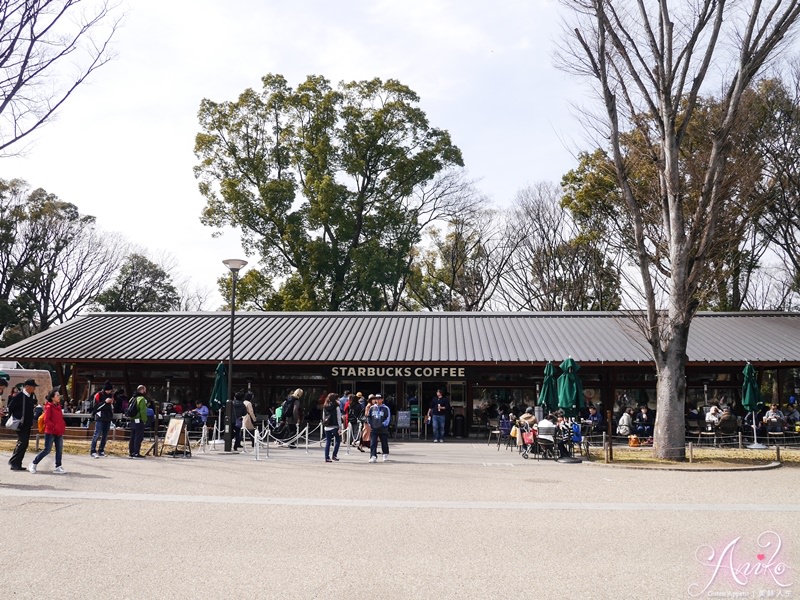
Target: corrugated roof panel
[[403, 337]]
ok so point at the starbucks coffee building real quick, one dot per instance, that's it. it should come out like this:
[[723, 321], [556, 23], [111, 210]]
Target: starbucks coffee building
[[481, 360]]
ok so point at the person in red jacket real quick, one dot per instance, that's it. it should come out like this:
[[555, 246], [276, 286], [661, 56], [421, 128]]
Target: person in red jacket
[[54, 427]]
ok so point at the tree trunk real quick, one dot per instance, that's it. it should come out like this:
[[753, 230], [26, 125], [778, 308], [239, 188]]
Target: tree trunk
[[670, 427]]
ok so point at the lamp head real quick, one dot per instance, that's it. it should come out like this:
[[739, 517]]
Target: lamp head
[[234, 264]]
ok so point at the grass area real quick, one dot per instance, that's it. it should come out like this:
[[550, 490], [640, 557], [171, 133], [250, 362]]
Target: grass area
[[704, 456]]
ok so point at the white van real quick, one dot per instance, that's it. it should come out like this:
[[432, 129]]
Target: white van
[[16, 374]]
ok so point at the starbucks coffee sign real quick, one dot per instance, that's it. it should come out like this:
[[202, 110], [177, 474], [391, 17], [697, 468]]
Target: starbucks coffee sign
[[401, 371]]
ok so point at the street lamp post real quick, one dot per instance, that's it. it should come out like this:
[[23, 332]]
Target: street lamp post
[[234, 264]]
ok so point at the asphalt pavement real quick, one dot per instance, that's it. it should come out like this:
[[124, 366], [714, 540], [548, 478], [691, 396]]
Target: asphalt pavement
[[453, 520]]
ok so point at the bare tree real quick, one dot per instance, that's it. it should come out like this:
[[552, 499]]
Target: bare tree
[[779, 144], [65, 262], [650, 65], [447, 196], [73, 275], [553, 267], [191, 296], [463, 268], [47, 49]]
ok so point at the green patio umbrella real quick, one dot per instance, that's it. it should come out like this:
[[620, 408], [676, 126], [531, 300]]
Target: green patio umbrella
[[570, 388], [751, 396], [219, 393], [548, 397]]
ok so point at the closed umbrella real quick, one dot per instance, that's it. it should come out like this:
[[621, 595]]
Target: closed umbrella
[[219, 393], [570, 388], [548, 397], [750, 398]]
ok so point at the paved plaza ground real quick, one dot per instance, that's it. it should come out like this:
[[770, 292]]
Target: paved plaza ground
[[460, 520]]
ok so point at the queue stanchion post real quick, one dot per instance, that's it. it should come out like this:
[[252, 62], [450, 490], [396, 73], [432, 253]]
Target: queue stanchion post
[[256, 442]]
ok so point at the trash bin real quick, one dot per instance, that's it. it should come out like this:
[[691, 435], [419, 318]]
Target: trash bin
[[458, 426]]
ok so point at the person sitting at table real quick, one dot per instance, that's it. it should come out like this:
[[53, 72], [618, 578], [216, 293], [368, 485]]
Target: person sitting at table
[[713, 416], [546, 430], [644, 423], [728, 425], [595, 421], [564, 439], [774, 419], [199, 415], [528, 417], [625, 425], [761, 430], [792, 415]]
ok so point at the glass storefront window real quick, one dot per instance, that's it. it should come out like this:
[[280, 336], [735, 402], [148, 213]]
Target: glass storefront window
[[487, 402]]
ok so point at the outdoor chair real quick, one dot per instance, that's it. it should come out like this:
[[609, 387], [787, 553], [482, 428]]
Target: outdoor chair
[[494, 430], [709, 433], [776, 438], [546, 448], [728, 431], [505, 433]]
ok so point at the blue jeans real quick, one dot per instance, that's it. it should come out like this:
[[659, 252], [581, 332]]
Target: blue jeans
[[438, 427], [49, 438], [332, 434], [100, 431]]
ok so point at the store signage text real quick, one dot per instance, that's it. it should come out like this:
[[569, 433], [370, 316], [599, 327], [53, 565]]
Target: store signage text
[[421, 372]]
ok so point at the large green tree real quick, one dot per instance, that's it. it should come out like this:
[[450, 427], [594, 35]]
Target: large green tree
[[650, 64], [139, 286], [332, 187]]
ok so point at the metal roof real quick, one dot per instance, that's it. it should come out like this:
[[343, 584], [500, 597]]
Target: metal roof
[[357, 338]]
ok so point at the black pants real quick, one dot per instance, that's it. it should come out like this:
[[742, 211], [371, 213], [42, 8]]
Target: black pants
[[137, 436], [373, 442], [23, 437]]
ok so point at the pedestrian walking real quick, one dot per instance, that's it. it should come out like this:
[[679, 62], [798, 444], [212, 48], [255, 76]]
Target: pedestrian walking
[[54, 428], [238, 418], [20, 406], [249, 419]]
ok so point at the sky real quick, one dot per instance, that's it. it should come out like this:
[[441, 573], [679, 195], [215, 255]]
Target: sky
[[121, 149]]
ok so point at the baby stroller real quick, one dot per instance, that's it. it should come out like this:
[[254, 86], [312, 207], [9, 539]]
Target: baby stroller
[[526, 438]]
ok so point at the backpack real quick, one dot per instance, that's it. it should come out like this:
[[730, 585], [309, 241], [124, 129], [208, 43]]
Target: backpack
[[287, 408], [354, 411], [133, 408], [40, 423]]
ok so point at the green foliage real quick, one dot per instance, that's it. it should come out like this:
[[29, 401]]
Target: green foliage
[[325, 185], [140, 286], [52, 262]]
